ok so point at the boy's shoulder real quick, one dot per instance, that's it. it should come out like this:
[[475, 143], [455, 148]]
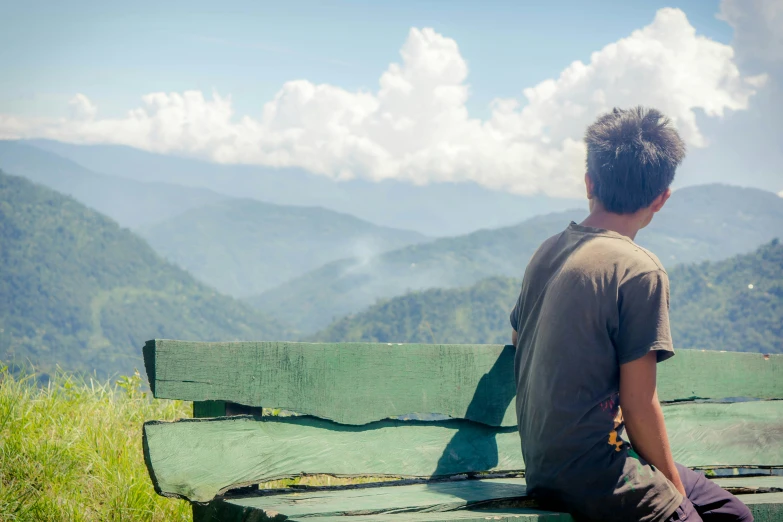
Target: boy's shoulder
[[637, 257], [595, 252], [619, 252]]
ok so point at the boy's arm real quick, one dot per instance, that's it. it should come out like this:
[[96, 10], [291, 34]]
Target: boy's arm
[[644, 339], [514, 337], [644, 417]]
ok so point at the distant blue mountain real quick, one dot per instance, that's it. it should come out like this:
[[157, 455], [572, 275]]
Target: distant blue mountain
[[239, 246], [440, 209], [243, 246], [129, 202]]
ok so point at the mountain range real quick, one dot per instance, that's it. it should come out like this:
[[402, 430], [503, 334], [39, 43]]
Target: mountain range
[[707, 222], [735, 304], [438, 209], [79, 291], [240, 246], [131, 203], [244, 246]]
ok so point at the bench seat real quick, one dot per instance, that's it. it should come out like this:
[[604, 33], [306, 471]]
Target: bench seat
[[434, 426], [463, 500]]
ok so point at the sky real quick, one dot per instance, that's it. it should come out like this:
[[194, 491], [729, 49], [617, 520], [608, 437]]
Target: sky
[[496, 92]]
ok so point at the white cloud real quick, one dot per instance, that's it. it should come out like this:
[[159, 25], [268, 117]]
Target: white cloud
[[758, 28], [780, 193], [416, 126], [82, 108]]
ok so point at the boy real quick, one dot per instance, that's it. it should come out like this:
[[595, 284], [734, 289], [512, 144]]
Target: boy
[[590, 325]]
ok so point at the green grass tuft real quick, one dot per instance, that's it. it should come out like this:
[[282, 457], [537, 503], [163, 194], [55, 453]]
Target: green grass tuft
[[71, 450]]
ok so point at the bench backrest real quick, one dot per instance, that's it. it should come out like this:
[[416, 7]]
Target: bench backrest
[[351, 397]]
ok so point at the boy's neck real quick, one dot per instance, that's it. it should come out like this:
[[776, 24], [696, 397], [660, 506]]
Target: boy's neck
[[625, 224]]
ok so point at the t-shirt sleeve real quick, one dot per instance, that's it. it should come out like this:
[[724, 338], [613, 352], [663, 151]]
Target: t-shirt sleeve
[[644, 318], [514, 317]]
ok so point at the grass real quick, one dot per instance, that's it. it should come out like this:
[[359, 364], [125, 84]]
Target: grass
[[71, 450]]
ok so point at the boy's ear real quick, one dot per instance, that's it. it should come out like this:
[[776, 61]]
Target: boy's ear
[[589, 186], [661, 200]]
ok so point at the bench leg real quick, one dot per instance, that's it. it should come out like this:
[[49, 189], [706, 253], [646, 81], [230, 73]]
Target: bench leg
[[203, 409]]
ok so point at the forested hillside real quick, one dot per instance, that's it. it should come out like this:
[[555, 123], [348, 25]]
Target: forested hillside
[[476, 314], [79, 291], [709, 222], [735, 304], [243, 246]]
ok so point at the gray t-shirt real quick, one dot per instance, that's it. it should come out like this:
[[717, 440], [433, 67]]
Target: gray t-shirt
[[591, 300]]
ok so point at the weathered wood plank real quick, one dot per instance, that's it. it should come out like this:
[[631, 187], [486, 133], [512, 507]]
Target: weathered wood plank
[[706, 374], [769, 484], [197, 459], [729, 472], [467, 515], [352, 383], [431, 497], [357, 383], [227, 512], [766, 507], [739, 434], [434, 502]]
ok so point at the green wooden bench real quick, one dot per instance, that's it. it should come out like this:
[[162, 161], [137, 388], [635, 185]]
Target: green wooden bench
[[435, 423]]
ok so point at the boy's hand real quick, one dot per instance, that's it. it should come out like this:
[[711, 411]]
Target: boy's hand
[[644, 416]]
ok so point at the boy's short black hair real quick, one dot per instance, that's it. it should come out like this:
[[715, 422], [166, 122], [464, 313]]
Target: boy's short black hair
[[631, 158]]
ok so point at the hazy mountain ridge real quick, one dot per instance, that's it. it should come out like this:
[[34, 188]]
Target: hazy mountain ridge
[[239, 246], [131, 203], [709, 222], [712, 307], [438, 209], [346, 286], [81, 292], [243, 246]]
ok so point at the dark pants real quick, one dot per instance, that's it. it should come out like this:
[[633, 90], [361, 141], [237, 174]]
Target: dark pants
[[707, 501]]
